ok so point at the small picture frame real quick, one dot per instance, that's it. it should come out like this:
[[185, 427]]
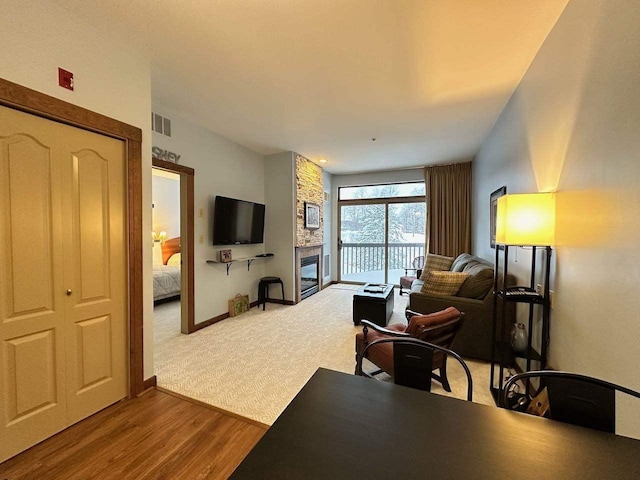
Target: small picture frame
[[493, 214], [311, 216], [225, 256]]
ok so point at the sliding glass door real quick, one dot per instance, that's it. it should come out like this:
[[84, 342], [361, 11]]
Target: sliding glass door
[[362, 246], [381, 232]]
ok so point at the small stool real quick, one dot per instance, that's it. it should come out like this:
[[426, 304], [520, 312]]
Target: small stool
[[263, 289]]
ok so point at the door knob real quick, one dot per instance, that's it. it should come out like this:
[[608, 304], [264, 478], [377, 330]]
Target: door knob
[[68, 292]]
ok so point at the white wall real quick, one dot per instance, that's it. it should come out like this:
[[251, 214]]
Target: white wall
[[280, 221], [37, 38], [222, 167], [327, 181], [166, 204], [374, 178], [572, 126]]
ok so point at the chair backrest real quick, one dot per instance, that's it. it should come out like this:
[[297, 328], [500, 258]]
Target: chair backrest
[[413, 361], [418, 262], [574, 398], [442, 334]]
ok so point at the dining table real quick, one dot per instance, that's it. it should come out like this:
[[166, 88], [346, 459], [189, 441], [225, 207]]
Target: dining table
[[342, 426]]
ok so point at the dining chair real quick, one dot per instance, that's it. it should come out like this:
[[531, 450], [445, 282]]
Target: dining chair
[[572, 398], [413, 362]]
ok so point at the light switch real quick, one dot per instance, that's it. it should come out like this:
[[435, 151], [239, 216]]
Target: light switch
[[201, 239], [201, 212]]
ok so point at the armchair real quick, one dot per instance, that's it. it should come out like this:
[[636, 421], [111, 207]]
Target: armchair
[[439, 328], [406, 280], [413, 362]]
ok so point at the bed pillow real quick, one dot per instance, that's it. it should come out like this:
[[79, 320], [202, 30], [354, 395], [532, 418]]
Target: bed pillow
[[443, 283], [174, 260]]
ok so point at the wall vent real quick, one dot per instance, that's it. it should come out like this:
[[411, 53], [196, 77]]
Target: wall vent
[[326, 268], [160, 124]]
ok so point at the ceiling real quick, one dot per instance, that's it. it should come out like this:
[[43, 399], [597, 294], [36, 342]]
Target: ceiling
[[426, 79]]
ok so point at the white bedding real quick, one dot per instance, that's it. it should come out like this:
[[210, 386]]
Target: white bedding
[[166, 281]]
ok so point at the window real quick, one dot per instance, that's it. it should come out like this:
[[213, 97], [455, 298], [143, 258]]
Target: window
[[392, 190]]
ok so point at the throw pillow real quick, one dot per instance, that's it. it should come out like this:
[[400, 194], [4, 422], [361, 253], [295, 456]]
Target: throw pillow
[[436, 263], [443, 283], [419, 323]]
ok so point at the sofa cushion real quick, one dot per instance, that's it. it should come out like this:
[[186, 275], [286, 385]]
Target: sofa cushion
[[443, 283], [479, 282], [435, 263], [418, 323], [461, 261]]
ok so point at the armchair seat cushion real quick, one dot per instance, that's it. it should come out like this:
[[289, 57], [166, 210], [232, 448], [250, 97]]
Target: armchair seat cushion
[[407, 280]]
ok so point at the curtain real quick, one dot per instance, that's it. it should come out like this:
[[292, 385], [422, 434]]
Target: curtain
[[448, 196]]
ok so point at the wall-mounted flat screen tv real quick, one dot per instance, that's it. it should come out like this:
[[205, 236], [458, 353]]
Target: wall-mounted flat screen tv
[[237, 222]]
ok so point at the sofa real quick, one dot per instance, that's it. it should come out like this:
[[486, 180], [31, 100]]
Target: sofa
[[474, 297]]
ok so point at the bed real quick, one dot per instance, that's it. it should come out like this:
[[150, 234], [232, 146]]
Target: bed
[[166, 277]]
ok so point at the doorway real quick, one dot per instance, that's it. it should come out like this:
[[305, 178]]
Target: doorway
[[173, 242]]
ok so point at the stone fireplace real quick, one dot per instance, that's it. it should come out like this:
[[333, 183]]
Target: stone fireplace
[[309, 240], [308, 271]]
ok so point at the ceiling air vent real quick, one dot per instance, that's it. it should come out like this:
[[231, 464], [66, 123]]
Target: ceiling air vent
[[160, 124]]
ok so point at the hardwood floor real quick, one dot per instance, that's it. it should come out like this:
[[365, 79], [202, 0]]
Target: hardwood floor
[[155, 436]]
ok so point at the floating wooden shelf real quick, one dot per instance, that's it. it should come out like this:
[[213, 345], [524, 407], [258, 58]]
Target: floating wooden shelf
[[249, 260]]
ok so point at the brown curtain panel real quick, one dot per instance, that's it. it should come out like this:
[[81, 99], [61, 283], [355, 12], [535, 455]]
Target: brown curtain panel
[[448, 196]]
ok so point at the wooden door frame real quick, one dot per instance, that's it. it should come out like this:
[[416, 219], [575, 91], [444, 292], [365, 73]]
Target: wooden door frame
[[30, 101], [187, 323]]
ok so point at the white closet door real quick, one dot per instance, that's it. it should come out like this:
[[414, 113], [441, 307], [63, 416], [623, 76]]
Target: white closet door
[[63, 320]]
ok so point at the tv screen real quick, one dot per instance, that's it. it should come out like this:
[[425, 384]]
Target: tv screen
[[237, 222]]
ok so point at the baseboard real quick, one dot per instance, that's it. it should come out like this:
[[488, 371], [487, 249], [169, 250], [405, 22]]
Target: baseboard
[[219, 318], [277, 300], [211, 321], [149, 383]]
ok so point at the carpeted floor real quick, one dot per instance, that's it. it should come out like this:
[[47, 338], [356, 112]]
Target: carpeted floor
[[254, 364]]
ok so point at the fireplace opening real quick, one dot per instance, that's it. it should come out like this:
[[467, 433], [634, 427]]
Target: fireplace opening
[[309, 276]]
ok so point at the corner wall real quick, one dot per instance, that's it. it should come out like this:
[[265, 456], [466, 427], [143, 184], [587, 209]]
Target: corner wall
[[280, 222], [572, 126]]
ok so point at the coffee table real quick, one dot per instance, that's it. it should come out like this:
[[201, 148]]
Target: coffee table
[[373, 302]]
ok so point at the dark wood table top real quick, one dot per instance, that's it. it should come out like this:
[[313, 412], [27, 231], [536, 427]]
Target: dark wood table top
[[342, 426]]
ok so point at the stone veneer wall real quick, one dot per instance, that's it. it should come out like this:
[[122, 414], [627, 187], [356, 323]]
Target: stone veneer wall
[[308, 189]]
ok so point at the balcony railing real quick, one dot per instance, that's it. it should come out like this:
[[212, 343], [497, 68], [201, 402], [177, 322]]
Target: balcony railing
[[358, 258]]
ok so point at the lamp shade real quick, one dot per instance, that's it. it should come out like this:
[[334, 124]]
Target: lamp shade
[[526, 219], [159, 237]]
